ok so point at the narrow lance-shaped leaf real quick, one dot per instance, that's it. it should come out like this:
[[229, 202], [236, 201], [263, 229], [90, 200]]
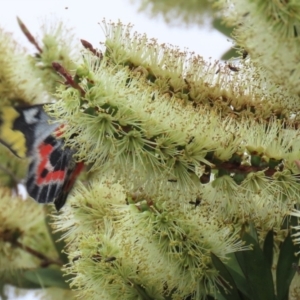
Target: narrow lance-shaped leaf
[[256, 270], [229, 290], [58, 242], [47, 277], [237, 275], [285, 271], [268, 248]]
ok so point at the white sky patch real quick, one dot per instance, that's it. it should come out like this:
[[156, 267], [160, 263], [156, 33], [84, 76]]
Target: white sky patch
[[85, 16]]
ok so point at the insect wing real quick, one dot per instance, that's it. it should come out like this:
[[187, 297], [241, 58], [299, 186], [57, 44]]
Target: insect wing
[[23, 128], [48, 170], [72, 173], [52, 172]]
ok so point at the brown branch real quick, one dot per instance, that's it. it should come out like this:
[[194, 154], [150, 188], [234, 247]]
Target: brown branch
[[245, 169], [90, 47], [12, 238], [69, 80], [45, 261], [9, 173], [29, 36]]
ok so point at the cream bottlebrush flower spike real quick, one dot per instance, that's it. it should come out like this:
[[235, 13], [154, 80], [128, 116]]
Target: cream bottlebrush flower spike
[[187, 77], [22, 229], [57, 45], [127, 118], [167, 244], [159, 138], [269, 30], [16, 83], [33, 79]]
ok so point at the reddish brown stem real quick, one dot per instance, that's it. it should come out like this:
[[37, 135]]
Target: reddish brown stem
[[12, 238], [61, 70], [29, 36], [90, 47], [46, 261], [233, 168]]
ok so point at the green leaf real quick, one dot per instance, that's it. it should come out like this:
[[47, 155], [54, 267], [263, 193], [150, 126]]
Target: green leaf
[[241, 284], [58, 242], [47, 277], [289, 221], [231, 53], [252, 232], [268, 248], [219, 25], [237, 275], [256, 270], [3, 295], [285, 272], [229, 290], [16, 278], [218, 297], [142, 292]]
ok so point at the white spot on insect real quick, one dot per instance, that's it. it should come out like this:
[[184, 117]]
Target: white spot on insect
[[30, 115], [21, 191]]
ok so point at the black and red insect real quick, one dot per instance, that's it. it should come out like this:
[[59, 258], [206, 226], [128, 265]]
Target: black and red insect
[[26, 131]]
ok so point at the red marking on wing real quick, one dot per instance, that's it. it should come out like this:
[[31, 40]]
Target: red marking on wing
[[44, 151], [74, 175], [59, 202], [59, 131]]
